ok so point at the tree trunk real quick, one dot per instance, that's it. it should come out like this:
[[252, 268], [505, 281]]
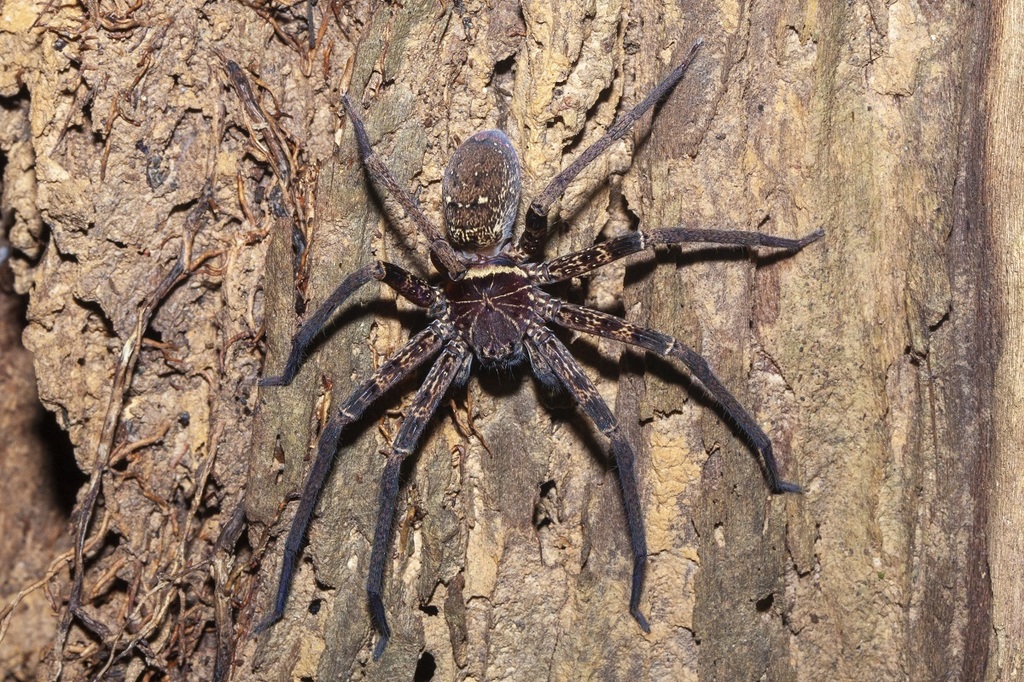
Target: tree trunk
[[181, 188]]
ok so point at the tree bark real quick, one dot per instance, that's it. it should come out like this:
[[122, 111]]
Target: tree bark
[[172, 229]]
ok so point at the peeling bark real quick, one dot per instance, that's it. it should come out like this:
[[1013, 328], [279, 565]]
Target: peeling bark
[[883, 361]]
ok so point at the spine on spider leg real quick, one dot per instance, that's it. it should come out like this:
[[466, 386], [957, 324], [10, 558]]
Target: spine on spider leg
[[378, 555], [536, 217], [446, 370], [412, 288], [582, 262], [625, 458], [720, 394], [683, 235], [311, 327], [379, 172], [404, 282], [566, 369], [616, 131], [608, 326], [326, 450], [418, 350]]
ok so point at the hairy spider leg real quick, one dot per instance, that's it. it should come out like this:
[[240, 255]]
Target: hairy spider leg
[[585, 260], [576, 382], [536, 224], [380, 173], [608, 326], [452, 366], [601, 324], [418, 350], [404, 282]]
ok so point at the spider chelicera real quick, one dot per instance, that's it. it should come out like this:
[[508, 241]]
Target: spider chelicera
[[491, 305]]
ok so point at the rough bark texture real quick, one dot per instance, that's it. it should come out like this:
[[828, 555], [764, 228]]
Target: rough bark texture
[[170, 232]]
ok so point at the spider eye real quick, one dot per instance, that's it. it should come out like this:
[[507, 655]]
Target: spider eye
[[481, 188]]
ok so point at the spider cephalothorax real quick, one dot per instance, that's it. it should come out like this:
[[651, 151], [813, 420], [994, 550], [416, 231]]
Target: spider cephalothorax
[[492, 306]]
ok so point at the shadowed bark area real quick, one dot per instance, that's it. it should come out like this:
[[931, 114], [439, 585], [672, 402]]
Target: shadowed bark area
[[181, 188]]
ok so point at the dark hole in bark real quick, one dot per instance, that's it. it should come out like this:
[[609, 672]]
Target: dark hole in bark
[[65, 478], [425, 668]]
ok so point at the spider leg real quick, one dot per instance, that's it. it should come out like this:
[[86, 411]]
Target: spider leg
[[602, 324], [536, 227], [542, 371], [564, 366], [451, 366], [585, 260], [379, 172], [418, 350], [405, 283]]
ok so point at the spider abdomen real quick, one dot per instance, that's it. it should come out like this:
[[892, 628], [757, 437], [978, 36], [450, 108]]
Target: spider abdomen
[[481, 188], [492, 307]]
